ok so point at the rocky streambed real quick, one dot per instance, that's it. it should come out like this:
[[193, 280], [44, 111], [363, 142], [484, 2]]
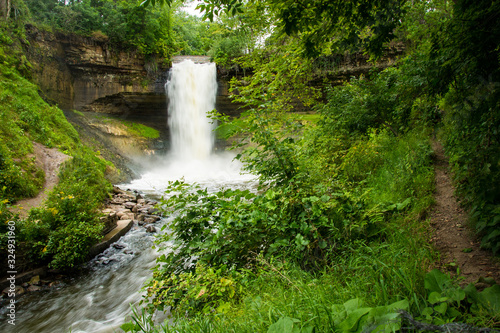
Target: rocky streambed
[[125, 211]]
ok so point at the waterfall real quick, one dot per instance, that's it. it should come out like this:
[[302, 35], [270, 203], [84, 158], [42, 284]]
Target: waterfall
[[99, 301], [191, 92]]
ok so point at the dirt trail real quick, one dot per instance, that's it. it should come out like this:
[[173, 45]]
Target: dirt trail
[[458, 245], [50, 160]]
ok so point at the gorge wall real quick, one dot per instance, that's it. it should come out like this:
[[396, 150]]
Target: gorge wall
[[74, 71]]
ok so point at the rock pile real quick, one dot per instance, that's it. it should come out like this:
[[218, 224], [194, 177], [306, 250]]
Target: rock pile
[[130, 206], [34, 284]]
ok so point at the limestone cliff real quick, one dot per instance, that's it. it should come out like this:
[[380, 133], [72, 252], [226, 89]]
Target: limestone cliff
[[75, 71]]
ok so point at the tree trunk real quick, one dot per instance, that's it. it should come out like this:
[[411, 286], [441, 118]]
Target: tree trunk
[[4, 9], [3, 6]]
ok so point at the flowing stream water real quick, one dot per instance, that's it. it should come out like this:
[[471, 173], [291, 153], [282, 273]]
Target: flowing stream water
[[99, 300]]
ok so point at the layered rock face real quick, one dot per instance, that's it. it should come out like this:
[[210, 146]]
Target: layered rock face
[[88, 74], [74, 71]]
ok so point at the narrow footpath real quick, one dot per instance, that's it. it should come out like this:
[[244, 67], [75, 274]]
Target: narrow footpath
[[453, 238]]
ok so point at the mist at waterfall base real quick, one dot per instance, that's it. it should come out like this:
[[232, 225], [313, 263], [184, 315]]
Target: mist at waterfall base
[[99, 300], [192, 91]]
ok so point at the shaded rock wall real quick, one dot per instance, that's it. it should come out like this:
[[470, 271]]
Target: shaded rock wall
[[74, 71]]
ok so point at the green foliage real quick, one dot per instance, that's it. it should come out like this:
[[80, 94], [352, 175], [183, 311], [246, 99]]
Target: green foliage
[[147, 30], [61, 232], [206, 290], [25, 117], [341, 201], [465, 63], [362, 23], [447, 302]]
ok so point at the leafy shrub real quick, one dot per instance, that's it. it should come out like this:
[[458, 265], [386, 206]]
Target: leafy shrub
[[68, 225], [205, 290], [446, 301], [232, 227]]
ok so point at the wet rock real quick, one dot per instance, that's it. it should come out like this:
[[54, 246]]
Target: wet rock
[[118, 201], [128, 216], [136, 208], [141, 201], [118, 246], [122, 213], [35, 280], [34, 288], [150, 228], [108, 211], [144, 210], [149, 220], [129, 205], [18, 290], [140, 217], [139, 197], [109, 221], [117, 190], [7, 290], [107, 261], [153, 210], [55, 284], [156, 218], [128, 252], [142, 222]]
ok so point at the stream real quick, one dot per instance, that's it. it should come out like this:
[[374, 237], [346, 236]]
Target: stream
[[99, 300]]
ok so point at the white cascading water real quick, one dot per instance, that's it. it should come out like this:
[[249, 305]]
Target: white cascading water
[[191, 91], [99, 301]]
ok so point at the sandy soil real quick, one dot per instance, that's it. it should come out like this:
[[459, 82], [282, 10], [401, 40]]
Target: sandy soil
[[456, 242], [50, 160]]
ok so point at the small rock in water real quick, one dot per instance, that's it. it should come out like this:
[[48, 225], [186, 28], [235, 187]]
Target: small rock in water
[[55, 284], [149, 220], [35, 280], [107, 261], [152, 210], [150, 228], [34, 288], [128, 252], [118, 246], [19, 290]]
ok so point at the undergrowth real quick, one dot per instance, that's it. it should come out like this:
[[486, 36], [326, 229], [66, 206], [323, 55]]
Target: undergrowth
[[60, 232]]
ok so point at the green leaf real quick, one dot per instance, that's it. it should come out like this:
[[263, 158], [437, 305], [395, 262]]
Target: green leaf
[[128, 327], [285, 325], [351, 323], [441, 308], [489, 298], [435, 280], [435, 297]]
